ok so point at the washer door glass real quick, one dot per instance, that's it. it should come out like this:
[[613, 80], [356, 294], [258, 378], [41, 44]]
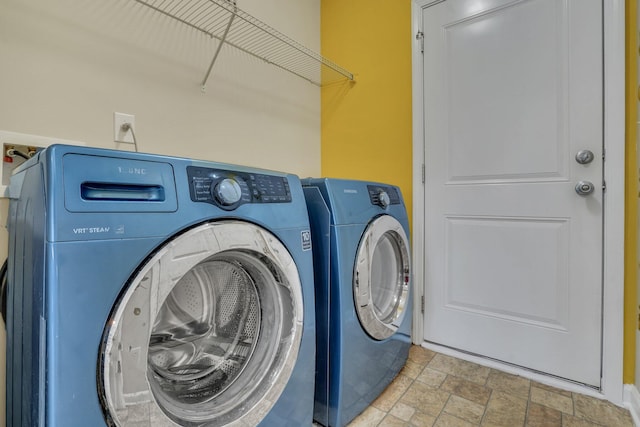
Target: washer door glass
[[207, 332], [381, 277]]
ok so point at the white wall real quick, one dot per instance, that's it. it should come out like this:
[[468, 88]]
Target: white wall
[[67, 65]]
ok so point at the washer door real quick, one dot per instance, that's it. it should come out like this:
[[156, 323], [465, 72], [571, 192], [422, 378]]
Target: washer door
[[207, 332], [381, 277]]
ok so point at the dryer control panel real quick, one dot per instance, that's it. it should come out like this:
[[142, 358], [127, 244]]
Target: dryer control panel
[[383, 195], [230, 189]]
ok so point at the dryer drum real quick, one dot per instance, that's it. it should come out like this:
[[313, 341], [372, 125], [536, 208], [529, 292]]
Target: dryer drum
[[207, 333], [382, 277]]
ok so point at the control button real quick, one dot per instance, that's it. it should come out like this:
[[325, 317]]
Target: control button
[[228, 191], [383, 199]]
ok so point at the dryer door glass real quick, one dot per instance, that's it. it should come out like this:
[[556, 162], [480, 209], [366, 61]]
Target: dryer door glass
[[382, 277], [206, 333]]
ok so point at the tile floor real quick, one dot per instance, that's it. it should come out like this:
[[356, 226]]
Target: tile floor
[[441, 391]]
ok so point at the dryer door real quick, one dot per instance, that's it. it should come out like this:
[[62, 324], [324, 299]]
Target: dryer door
[[206, 333], [381, 278]]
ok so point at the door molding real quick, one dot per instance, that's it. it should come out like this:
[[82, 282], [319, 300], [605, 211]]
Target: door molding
[[613, 227]]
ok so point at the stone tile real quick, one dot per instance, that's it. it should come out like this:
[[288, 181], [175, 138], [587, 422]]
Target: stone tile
[[467, 389], [392, 393], [552, 400], [402, 411], [420, 355], [601, 411], [369, 418], [446, 420], [460, 368], [431, 377], [391, 421], [420, 419], [438, 390], [550, 388], [541, 416], [571, 421], [424, 398], [509, 383], [464, 409], [411, 369], [505, 410]]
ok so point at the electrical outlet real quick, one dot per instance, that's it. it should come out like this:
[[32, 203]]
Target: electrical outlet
[[120, 134]]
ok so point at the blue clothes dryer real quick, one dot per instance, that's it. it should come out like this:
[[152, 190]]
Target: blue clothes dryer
[[147, 290], [363, 293]]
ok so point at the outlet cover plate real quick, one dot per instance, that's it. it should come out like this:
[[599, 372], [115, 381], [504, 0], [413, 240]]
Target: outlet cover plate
[[120, 135]]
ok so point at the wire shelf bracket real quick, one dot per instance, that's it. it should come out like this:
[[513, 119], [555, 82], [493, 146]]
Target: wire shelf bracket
[[224, 21]]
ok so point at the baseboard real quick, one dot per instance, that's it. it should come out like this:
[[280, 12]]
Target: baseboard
[[632, 402]]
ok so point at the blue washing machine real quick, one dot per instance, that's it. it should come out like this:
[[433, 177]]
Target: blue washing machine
[[363, 293], [155, 291]]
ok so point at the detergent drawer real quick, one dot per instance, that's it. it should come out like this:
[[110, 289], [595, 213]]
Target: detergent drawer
[[108, 184]]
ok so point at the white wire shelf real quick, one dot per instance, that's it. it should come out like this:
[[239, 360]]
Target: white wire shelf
[[224, 21]]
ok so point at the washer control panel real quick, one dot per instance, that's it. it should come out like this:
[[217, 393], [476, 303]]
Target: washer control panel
[[383, 196], [230, 189]]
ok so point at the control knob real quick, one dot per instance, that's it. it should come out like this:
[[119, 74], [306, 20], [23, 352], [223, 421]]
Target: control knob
[[383, 199], [228, 191]]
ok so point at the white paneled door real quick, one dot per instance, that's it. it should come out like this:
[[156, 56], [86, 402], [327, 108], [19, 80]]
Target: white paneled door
[[514, 182]]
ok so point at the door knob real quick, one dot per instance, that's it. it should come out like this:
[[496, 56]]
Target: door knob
[[584, 156], [584, 188]]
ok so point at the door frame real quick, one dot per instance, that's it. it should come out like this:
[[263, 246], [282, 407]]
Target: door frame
[[613, 223]]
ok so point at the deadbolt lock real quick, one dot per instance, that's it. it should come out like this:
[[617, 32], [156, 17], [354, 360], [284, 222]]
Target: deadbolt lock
[[584, 157]]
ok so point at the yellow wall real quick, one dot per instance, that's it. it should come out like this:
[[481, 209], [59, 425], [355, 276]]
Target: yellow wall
[[366, 125], [631, 202]]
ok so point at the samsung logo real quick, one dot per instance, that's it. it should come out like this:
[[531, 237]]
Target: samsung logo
[[132, 171]]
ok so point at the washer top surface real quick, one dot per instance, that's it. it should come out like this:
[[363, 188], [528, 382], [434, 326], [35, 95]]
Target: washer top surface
[[147, 195]]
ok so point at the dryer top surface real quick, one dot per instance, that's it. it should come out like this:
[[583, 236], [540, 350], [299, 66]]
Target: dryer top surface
[[358, 202]]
